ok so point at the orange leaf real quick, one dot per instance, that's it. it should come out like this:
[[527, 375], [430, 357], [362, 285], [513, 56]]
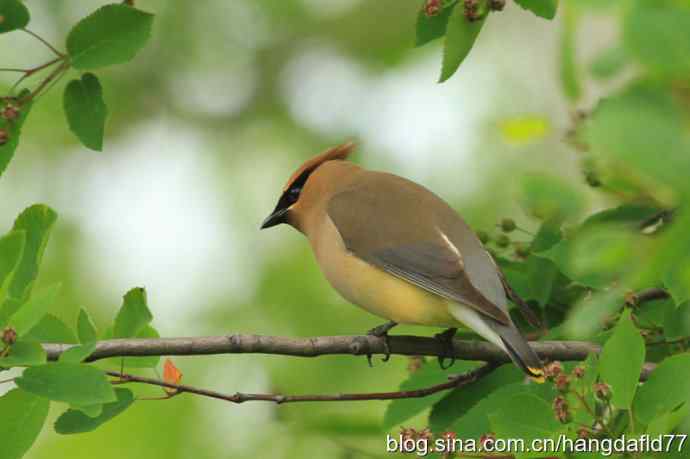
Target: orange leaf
[[171, 375]]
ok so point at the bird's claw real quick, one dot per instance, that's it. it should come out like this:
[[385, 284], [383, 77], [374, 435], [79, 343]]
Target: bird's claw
[[446, 340], [381, 331]]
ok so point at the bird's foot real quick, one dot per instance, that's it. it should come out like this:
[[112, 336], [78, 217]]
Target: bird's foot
[[448, 352], [381, 331]]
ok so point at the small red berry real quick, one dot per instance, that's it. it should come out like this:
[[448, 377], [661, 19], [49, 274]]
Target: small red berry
[[9, 336], [10, 112], [602, 391], [432, 7]]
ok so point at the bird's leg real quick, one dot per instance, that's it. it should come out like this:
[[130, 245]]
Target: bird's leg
[[381, 331], [446, 340]]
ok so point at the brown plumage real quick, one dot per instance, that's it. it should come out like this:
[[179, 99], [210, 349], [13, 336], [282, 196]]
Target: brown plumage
[[399, 251]]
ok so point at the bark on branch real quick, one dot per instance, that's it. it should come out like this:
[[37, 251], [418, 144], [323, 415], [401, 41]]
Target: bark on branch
[[321, 345]]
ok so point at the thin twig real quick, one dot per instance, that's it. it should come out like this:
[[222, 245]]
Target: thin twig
[[238, 397], [32, 71], [45, 42], [644, 296], [13, 70], [36, 92], [5, 381]]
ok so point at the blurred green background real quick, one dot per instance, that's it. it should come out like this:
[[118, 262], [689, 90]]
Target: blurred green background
[[205, 126]]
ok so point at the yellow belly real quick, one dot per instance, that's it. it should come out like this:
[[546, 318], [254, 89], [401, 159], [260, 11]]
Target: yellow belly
[[376, 291]]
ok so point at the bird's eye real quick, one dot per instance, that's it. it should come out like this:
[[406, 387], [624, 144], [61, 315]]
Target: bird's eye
[[294, 193]]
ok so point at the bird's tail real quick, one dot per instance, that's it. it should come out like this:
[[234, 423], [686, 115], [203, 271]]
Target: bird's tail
[[519, 350]]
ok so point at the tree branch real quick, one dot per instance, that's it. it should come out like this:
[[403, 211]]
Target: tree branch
[[321, 345], [238, 397], [650, 294]]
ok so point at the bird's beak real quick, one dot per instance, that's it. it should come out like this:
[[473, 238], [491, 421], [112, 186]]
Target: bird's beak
[[278, 216]]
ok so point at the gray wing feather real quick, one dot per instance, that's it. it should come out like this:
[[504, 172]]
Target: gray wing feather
[[469, 277]]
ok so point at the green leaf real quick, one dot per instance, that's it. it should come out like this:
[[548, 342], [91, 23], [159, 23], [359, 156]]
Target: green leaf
[[34, 309], [22, 419], [657, 33], [677, 280], [460, 37], [543, 8], [113, 34], [14, 15], [36, 221], [50, 329], [609, 62], [476, 422], [588, 315], [542, 273], [77, 354], [595, 254], [86, 328], [550, 198], [73, 421], [527, 417], [430, 28], [667, 422], [14, 132], [85, 110], [570, 78], [629, 127], [399, 411], [133, 316], [68, 382], [621, 361], [677, 321], [667, 388], [23, 353], [454, 405], [92, 411], [11, 249]]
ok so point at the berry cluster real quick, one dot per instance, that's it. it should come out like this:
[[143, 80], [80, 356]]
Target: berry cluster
[[8, 114]]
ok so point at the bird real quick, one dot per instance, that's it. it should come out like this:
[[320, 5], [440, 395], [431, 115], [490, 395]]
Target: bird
[[399, 251]]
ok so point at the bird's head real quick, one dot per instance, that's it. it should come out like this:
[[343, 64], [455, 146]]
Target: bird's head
[[293, 188]]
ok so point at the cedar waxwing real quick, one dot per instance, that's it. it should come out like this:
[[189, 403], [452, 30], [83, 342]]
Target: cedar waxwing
[[399, 251]]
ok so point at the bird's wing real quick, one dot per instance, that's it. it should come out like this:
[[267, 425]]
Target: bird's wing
[[406, 230]]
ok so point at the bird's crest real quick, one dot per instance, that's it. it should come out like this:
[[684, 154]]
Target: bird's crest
[[339, 152]]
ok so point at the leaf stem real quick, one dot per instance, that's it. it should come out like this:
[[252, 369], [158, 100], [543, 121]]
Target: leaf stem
[[56, 73], [31, 71], [45, 42]]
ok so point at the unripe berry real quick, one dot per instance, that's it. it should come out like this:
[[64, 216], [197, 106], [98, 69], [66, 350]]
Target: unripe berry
[[497, 5], [508, 225], [4, 136], [503, 241], [522, 250], [592, 179], [483, 236]]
